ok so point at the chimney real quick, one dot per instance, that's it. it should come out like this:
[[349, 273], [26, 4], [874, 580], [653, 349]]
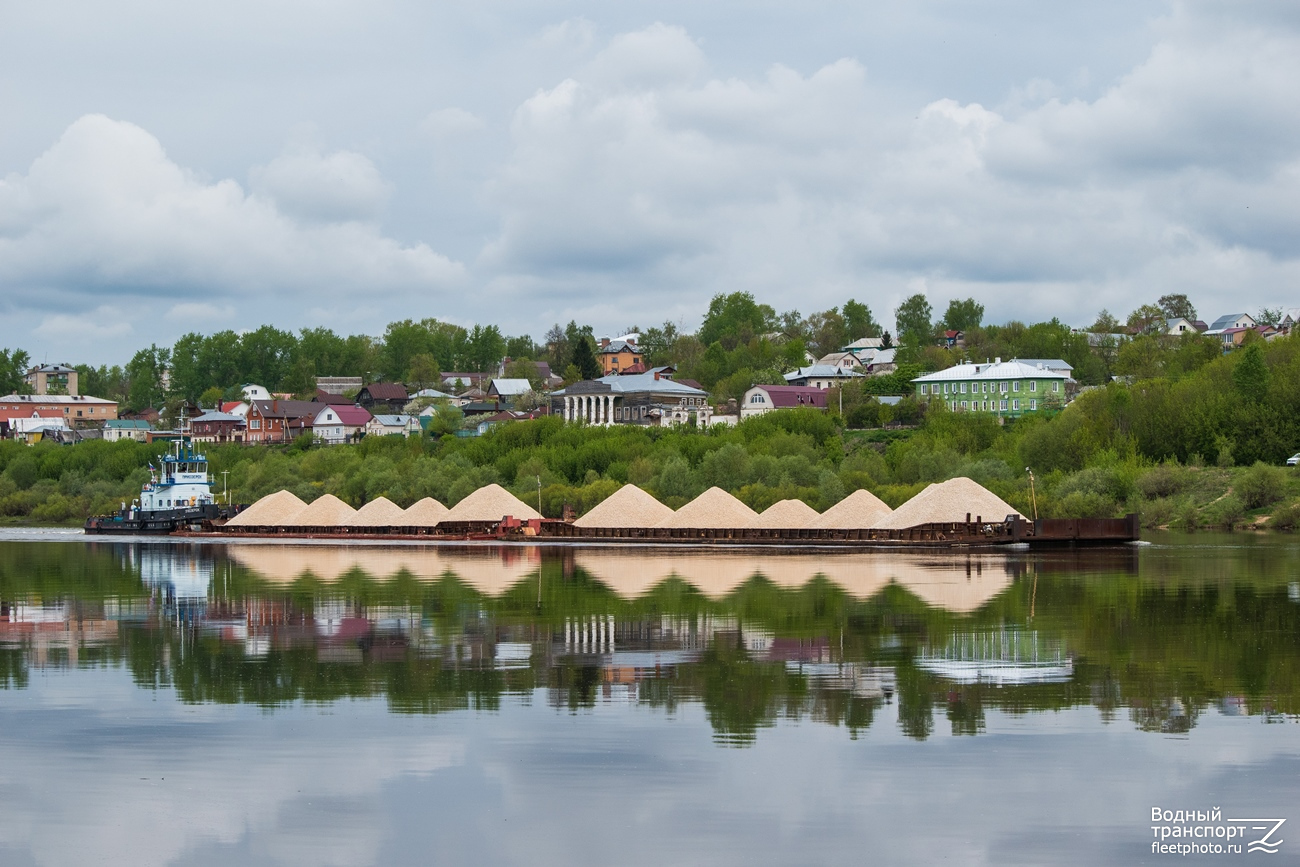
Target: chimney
[[604, 341], [997, 360]]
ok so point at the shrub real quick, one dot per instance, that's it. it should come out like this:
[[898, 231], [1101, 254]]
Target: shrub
[[1158, 513], [1261, 485], [1081, 504], [1286, 518], [1228, 512], [1162, 481], [1187, 517]]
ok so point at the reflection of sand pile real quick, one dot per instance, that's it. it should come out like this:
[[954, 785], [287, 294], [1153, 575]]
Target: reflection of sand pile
[[325, 511], [381, 512], [270, 510], [491, 504], [949, 502], [860, 510], [426, 513], [714, 509], [785, 515], [956, 585], [629, 506], [489, 572]]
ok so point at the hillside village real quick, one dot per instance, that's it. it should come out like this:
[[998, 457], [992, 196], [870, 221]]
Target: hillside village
[[644, 379]]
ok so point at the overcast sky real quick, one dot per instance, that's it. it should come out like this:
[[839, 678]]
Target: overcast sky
[[173, 167]]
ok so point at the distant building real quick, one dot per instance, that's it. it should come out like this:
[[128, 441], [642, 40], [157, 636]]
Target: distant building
[[508, 390], [340, 423], [618, 354], [394, 424], [339, 384], [1006, 388], [218, 427], [390, 397], [78, 410], [255, 392], [765, 398], [650, 398], [821, 376], [127, 429], [279, 421], [52, 379]]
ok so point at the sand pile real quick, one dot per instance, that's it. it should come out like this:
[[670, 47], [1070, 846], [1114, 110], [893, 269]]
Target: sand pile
[[629, 506], [325, 511], [860, 510], [268, 511], [714, 509], [381, 512], [785, 515], [491, 504], [426, 513], [949, 502]]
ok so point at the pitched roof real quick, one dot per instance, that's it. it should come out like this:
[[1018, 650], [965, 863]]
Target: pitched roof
[[323, 396], [286, 408], [618, 345], [350, 415], [997, 370], [510, 387], [1049, 363], [1227, 321], [783, 396], [637, 383], [55, 398], [828, 371], [385, 391], [213, 416], [126, 423], [398, 420]]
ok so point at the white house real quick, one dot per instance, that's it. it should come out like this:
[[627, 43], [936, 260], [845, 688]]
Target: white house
[[393, 425], [126, 429], [255, 392], [340, 423], [821, 376], [1231, 320]]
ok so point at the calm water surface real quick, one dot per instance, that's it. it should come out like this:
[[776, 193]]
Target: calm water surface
[[312, 704]]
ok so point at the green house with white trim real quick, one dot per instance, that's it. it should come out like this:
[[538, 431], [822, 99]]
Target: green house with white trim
[[1006, 388]]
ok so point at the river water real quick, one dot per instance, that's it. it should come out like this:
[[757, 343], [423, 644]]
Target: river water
[[313, 704]]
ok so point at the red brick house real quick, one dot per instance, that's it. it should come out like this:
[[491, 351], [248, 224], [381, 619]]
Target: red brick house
[[279, 421]]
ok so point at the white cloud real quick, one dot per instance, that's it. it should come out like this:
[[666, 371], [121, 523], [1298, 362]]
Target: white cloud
[[102, 323], [450, 122], [337, 187]]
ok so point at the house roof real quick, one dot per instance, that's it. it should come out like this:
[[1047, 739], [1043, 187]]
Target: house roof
[[211, 416], [634, 383], [393, 420], [511, 387], [996, 370], [70, 399], [350, 415], [28, 412], [783, 396], [638, 367], [882, 356], [285, 408], [825, 371], [127, 424], [386, 391], [329, 397], [53, 368], [229, 405], [1228, 321], [1049, 363], [618, 345], [864, 343], [433, 393], [953, 335]]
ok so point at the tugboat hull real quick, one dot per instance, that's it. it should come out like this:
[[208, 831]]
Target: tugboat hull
[[159, 523]]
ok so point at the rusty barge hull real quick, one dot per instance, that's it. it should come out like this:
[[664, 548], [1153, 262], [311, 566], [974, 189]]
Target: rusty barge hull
[[1045, 533]]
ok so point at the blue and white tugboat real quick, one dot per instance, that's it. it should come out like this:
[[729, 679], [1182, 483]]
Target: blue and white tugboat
[[177, 496]]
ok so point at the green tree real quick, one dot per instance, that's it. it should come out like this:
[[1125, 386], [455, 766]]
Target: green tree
[[735, 318], [211, 397], [1147, 319], [268, 353], [912, 320], [145, 374], [1106, 323], [858, 321], [486, 347], [424, 370], [1177, 306], [13, 366], [1251, 375], [584, 357], [963, 315]]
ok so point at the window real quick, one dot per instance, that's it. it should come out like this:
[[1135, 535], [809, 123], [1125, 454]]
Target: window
[[963, 391], [255, 424], [1003, 388], [1056, 386], [923, 388], [1033, 386], [1015, 405], [1002, 405], [1033, 404], [1015, 386], [963, 403]]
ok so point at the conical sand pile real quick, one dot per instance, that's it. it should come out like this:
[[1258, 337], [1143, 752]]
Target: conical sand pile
[[714, 509], [426, 513], [381, 512], [949, 502], [268, 511], [325, 511], [785, 515], [860, 510], [491, 504], [628, 507]]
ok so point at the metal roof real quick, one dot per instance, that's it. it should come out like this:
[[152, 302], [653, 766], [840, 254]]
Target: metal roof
[[995, 370]]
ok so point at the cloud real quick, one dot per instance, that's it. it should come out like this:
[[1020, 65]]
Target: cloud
[[450, 122], [104, 322], [104, 216], [337, 187], [638, 172]]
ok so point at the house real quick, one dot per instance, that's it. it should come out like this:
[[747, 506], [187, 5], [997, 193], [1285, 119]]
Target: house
[[78, 410], [218, 427], [1230, 337], [459, 381], [388, 397], [1006, 388], [844, 360], [37, 427], [649, 398], [765, 398], [821, 376], [52, 379], [12, 421], [340, 423], [864, 343], [339, 384], [126, 429], [508, 390], [255, 392], [397, 424], [1231, 320], [279, 421], [1056, 365], [618, 354], [1180, 326], [880, 362], [954, 339], [234, 407]]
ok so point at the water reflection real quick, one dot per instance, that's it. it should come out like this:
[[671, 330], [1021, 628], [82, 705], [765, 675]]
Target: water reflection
[[753, 638]]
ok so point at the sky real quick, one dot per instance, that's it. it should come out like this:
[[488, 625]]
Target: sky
[[167, 168]]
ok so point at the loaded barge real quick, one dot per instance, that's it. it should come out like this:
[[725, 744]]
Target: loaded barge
[[976, 532]]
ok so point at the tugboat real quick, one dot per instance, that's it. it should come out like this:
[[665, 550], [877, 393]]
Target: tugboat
[[177, 496]]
